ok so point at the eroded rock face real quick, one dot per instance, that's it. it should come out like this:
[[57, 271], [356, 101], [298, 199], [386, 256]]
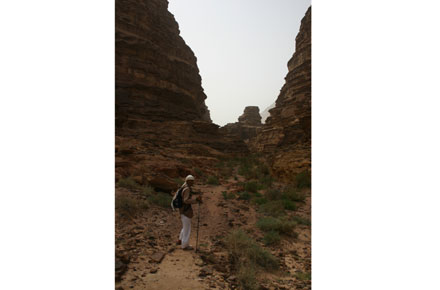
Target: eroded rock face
[[247, 127], [163, 127], [251, 116], [157, 77], [286, 135]]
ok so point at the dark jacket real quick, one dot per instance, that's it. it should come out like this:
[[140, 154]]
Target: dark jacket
[[187, 200]]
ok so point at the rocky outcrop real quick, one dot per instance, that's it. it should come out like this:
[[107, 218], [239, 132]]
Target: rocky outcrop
[[251, 116], [265, 114], [247, 127], [163, 127], [157, 77], [286, 135]]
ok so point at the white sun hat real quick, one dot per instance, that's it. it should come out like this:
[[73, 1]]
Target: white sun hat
[[189, 177]]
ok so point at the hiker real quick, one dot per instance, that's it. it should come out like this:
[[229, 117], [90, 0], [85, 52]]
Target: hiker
[[186, 212]]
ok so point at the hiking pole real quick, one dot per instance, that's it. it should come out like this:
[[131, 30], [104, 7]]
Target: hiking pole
[[198, 221]]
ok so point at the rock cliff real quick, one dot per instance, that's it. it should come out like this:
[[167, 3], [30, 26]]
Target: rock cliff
[[247, 127], [156, 72], [286, 136], [163, 127]]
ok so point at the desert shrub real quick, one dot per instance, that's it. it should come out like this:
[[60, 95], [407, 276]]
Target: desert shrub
[[303, 179], [242, 248], [263, 257], [213, 180], [129, 183], [257, 194], [127, 205], [265, 181], [228, 195], [289, 205], [161, 199], [147, 190], [302, 221], [198, 172], [220, 164], [303, 276], [260, 200], [246, 277], [251, 186], [244, 195], [268, 224], [293, 194], [273, 194], [271, 238], [272, 208], [179, 181], [226, 171]]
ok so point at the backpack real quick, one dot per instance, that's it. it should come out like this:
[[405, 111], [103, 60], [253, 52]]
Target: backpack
[[177, 201]]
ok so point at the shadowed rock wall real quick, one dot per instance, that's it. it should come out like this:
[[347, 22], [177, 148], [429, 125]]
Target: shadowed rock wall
[[163, 127], [286, 136]]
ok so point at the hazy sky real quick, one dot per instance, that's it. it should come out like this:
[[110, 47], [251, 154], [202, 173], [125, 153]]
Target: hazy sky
[[242, 49]]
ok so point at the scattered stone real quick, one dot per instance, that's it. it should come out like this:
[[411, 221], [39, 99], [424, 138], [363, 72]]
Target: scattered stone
[[120, 269], [157, 257], [220, 268], [153, 270], [205, 271]]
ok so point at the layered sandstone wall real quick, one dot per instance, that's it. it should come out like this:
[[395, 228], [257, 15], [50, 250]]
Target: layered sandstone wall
[[286, 136], [157, 77], [163, 127], [247, 127]]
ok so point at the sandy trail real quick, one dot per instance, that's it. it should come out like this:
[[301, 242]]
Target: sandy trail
[[180, 269]]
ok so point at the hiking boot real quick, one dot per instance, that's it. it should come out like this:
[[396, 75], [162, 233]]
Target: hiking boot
[[189, 248], [179, 242]]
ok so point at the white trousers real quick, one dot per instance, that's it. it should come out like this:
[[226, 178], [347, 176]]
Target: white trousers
[[186, 231]]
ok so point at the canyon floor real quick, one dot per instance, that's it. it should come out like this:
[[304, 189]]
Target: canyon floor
[[148, 257]]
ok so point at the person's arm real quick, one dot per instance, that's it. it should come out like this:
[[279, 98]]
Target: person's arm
[[186, 198]]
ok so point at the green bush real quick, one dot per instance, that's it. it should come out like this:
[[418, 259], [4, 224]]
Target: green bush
[[271, 238], [268, 224], [128, 183], [251, 186], [303, 179], [302, 221], [179, 181], [213, 180], [265, 181], [273, 194], [289, 205], [272, 208], [244, 195], [161, 199], [127, 205], [242, 248], [303, 276], [226, 172], [293, 194], [198, 172], [246, 277], [228, 195], [263, 257], [260, 200], [147, 190]]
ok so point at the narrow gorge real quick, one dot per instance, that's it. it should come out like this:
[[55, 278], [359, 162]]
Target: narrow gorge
[[255, 177]]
